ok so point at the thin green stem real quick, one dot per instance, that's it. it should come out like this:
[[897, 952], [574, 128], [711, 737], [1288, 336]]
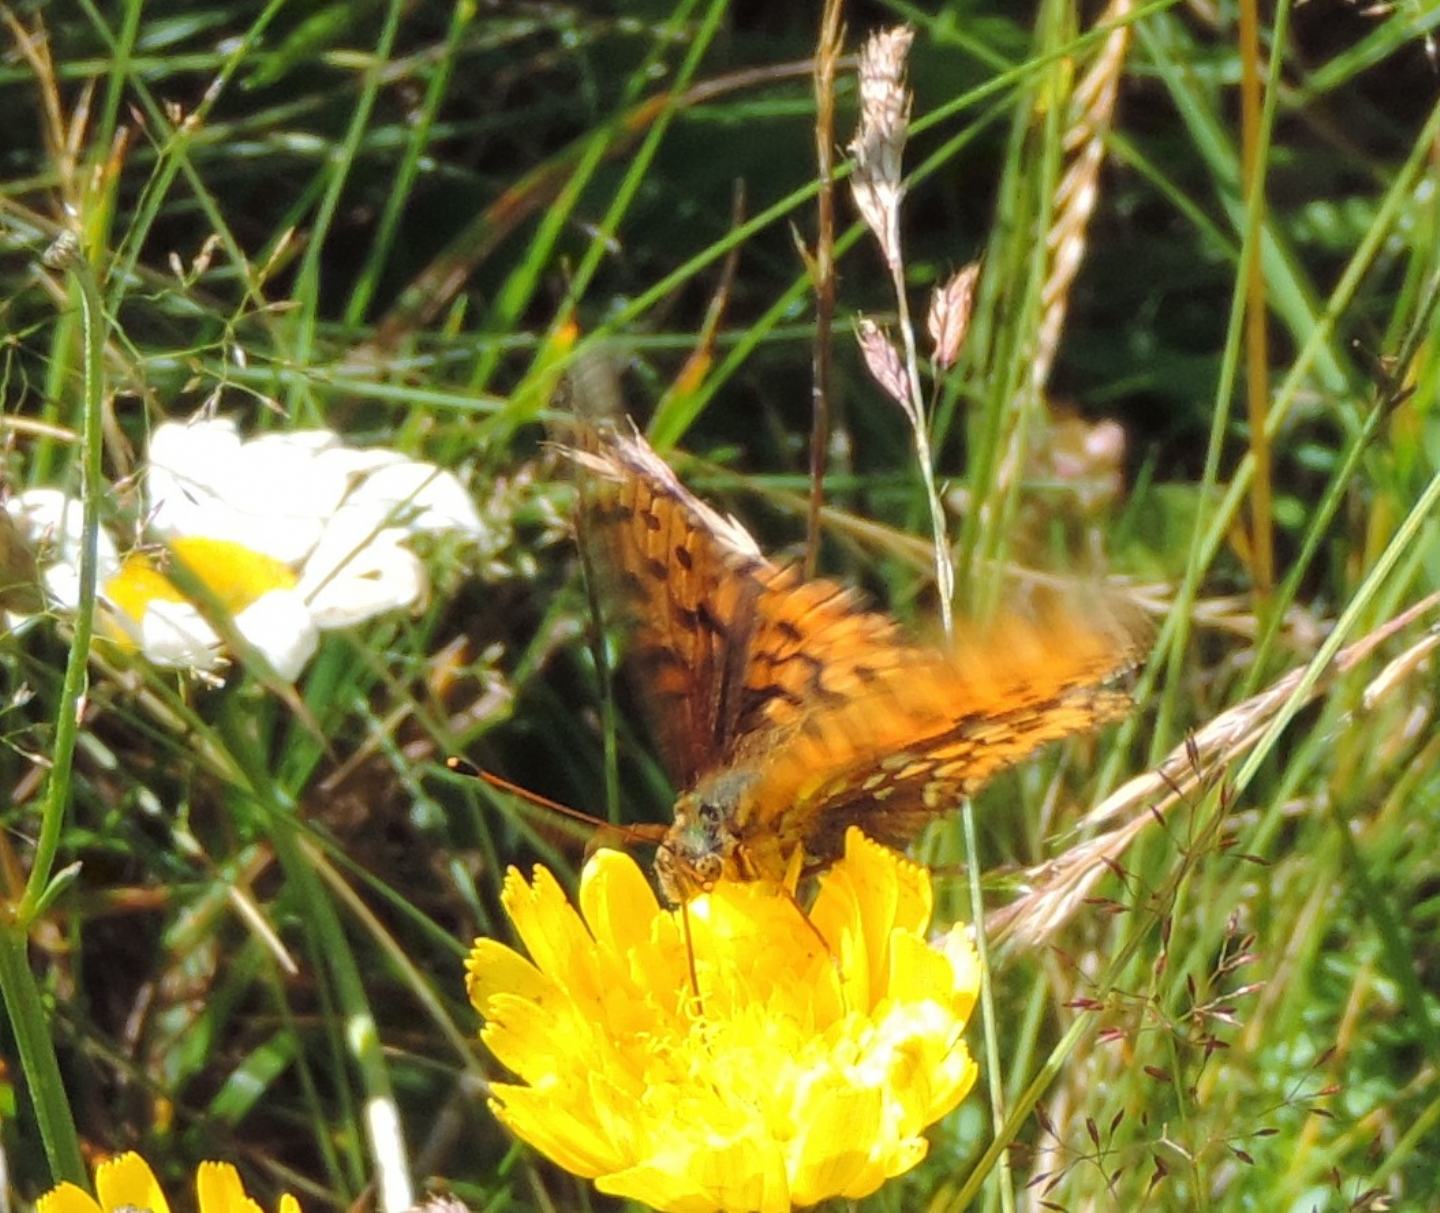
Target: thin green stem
[[1049, 1071], [307, 284], [944, 565], [987, 1001], [379, 1111], [65, 254], [1402, 541], [369, 280], [362, 1036], [23, 1003], [30, 1023]]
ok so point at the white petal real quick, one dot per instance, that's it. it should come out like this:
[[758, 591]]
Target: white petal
[[265, 494], [418, 496], [62, 586], [175, 634], [355, 463], [50, 518], [344, 583], [280, 625], [52, 523], [312, 441], [190, 474], [183, 444], [280, 493], [45, 515]]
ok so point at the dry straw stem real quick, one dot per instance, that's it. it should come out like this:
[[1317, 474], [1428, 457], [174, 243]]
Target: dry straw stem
[[949, 320], [878, 148], [884, 363], [822, 269], [1060, 886], [1092, 113]]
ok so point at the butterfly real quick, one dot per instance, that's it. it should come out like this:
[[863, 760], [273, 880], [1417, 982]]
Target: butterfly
[[784, 711]]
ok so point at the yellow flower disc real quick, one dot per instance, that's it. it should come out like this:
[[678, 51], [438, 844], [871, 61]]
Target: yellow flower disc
[[232, 572]]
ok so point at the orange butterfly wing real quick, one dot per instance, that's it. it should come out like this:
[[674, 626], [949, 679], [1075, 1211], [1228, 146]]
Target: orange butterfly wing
[[685, 580], [901, 733], [785, 711]]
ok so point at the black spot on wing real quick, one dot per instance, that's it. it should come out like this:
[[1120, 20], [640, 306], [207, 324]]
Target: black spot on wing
[[789, 631], [710, 622]]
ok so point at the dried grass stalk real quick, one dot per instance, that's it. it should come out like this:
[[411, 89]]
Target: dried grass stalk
[[884, 363], [1092, 112], [1060, 886], [879, 141], [949, 320], [878, 147]]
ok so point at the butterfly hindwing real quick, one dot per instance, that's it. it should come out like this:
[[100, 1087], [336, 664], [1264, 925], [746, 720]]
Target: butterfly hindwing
[[933, 726]]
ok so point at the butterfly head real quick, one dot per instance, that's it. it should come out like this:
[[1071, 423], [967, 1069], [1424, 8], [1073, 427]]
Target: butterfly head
[[696, 851], [702, 846]]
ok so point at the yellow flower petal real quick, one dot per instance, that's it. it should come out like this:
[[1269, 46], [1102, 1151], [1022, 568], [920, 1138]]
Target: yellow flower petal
[[125, 1180], [617, 901], [219, 1190], [528, 1038], [67, 1198], [863, 899], [126, 1183], [735, 1053], [533, 1114], [492, 968], [703, 1176], [552, 931]]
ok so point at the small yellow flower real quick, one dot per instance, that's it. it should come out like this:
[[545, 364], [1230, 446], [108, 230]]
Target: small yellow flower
[[127, 1182], [817, 1051]]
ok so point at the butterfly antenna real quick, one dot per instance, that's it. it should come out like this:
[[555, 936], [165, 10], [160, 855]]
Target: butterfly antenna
[[690, 955], [630, 833]]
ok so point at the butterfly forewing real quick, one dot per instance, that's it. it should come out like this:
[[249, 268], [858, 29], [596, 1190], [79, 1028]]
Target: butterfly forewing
[[684, 581]]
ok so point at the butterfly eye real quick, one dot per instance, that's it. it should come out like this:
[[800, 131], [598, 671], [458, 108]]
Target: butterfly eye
[[707, 870]]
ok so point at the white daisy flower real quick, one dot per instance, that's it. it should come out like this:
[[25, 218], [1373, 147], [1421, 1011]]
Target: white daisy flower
[[293, 534]]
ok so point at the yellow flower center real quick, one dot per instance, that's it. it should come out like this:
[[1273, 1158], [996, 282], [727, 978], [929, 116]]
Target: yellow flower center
[[234, 574]]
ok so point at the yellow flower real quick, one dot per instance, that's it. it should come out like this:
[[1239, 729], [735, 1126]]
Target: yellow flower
[[817, 1051], [127, 1182]]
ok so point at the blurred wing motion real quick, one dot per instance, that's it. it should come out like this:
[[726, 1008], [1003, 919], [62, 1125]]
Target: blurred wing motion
[[686, 581], [786, 713]]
